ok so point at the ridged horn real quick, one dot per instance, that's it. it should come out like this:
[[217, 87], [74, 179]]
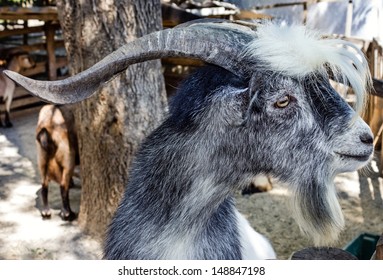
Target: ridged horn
[[220, 43]]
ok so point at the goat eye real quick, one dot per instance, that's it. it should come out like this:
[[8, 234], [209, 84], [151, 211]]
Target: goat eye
[[283, 102]]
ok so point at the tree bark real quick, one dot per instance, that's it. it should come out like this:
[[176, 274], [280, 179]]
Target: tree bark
[[113, 122]]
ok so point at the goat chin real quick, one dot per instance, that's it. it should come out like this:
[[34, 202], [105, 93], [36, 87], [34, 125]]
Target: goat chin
[[318, 213]]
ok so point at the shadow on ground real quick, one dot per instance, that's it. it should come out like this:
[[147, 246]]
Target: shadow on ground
[[23, 233]]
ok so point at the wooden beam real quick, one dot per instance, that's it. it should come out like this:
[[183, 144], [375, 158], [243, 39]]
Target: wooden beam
[[281, 5], [172, 15], [27, 30], [250, 15], [41, 17], [35, 47], [50, 41], [21, 31], [39, 13]]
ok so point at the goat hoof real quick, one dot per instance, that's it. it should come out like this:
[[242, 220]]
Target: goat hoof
[[68, 216], [46, 214], [8, 125]]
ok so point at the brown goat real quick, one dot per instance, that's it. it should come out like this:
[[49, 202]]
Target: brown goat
[[15, 62], [57, 153]]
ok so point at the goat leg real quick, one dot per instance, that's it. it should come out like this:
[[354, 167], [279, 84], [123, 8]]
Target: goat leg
[[66, 213], [7, 99], [1, 102], [45, 212], [7, 120]]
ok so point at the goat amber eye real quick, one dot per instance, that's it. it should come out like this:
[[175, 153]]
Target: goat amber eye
[[283, 102]]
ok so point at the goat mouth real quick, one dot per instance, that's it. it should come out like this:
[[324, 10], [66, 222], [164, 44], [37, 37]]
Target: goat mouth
[[364, 157]]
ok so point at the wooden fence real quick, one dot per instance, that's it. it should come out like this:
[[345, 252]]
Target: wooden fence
[[15, 22]]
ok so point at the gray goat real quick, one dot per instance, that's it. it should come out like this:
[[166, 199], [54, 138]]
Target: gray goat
[[265, 107]]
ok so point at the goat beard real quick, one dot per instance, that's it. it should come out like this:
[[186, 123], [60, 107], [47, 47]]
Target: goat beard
[[317, 211]]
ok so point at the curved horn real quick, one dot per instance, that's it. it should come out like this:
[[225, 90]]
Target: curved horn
[[220, 43]]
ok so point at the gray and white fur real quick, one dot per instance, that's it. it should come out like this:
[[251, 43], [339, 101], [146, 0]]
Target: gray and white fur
[[220, 132], [267, 107]]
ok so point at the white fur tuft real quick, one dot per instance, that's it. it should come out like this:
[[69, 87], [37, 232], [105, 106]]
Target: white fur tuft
[[297, 52], [327, 231], [254, 246]]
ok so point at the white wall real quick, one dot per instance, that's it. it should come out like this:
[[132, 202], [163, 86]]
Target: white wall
[[367, 15]]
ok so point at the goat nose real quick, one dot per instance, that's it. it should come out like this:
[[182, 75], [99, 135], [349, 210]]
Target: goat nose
[[366, 138]]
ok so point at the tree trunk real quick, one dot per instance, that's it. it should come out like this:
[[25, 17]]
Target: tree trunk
[[113, 122]]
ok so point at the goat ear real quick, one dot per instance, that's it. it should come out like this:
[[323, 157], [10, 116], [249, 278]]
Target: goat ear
[[237, 106], [227, 105], [249, 99]]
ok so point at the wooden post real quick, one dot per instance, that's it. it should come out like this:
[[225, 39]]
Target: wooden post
[[375, 108], [305, 12], [50, 47], [25, 37], [379, 249], [350, 9], [370, 105]]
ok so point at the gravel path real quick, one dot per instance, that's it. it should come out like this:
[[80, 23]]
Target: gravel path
[[24, 235]]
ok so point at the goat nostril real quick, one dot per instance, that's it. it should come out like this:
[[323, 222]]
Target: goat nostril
[[366, 138]]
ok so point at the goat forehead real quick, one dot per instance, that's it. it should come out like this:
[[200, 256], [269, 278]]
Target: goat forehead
[[297, 51], [274, 81]]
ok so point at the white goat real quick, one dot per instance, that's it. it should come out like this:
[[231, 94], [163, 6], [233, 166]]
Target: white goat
[[266, 107]]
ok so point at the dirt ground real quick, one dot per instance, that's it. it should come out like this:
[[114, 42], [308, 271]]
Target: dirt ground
[[24, 235]]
